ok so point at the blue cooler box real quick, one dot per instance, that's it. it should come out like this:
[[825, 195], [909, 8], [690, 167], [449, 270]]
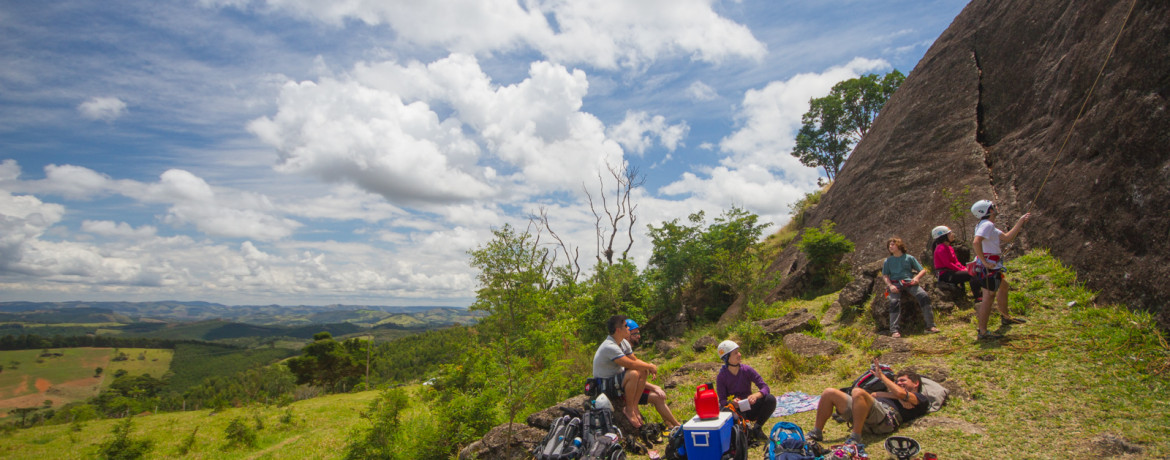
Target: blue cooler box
[[707, 438]]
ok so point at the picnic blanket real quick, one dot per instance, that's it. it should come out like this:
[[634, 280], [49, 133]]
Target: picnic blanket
[[794, 401]]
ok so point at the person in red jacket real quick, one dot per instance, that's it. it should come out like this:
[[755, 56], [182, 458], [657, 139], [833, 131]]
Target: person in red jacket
[[947, 265]]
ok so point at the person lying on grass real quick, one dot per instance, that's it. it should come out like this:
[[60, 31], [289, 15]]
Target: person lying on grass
[[902, 273], [881, 412], [612, 361]]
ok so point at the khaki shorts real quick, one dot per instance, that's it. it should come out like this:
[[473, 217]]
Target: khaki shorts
[[881, 419]]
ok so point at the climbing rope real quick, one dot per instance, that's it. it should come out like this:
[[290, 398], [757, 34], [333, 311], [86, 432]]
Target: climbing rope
[[1083, 105]]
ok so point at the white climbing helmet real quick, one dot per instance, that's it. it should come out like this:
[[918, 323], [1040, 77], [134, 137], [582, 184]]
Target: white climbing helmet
[[939, 231], [982, 208], [602, 402], [725, 348]]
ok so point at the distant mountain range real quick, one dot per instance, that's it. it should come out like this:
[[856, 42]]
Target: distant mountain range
[[171, 311]]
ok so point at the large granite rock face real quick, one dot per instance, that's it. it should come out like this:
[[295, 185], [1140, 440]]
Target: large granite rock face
[[989, 107]]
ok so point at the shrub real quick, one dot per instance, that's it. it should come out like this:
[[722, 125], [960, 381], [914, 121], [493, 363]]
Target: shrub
[[824, 246], [377, 440], [787, 366], [188, 442], [239, 434], [122, 446], [751, 337]]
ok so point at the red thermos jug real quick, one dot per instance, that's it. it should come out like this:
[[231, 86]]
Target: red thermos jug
[[706, 402]]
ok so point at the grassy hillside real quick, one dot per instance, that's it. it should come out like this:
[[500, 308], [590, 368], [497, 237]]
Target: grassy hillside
[[314, 428], [65, 375], [1064, 385]]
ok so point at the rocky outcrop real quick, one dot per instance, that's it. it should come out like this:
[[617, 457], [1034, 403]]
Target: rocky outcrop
[[989, 108], [794, 321], [504, 442], [543, 419]]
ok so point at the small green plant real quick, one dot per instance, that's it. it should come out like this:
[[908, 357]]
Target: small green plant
[[239, 434], [958, 205], [787, 366], [287, 417], [188, 442], [751, 337], [121, 446]]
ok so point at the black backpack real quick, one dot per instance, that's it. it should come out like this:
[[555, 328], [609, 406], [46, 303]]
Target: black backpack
[[870, 382], [558, 444], [601, 439]]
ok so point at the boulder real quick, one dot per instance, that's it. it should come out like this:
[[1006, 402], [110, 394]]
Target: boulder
[[504, 442], [666, 348], [704, 343], [794, 321], [543, 419], [691, 372], [809, 346]]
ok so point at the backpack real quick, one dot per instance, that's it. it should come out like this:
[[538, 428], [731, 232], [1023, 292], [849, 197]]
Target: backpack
[[870, 382], [600, 438], [935, 392], [676, 444], [558, 443], [787, 442]]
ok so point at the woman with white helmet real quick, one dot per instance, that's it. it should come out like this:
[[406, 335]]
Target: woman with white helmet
[[947, 265], [989, 265], [735, 381]]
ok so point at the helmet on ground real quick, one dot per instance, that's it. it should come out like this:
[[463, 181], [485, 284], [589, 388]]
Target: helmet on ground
[[939, 231], [602, 402], [632, 324], [725, 348], [982, 208]]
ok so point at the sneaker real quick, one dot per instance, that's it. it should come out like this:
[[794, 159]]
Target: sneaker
[[838, 418], [815, 434], [1012, 320], [989, 336], [853, 439]]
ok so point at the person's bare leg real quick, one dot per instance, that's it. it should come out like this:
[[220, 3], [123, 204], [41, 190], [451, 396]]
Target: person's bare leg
[[862, 402], [633, 393], [831, 399], [984, 311], [1001, 299], [657, 397]]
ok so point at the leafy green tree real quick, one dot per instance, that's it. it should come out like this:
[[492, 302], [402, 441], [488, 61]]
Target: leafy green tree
[[824, 248], [327, 363], [239, 434], [717, 260], [835, 123]]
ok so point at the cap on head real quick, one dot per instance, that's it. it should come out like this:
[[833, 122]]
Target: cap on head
[[982, 208], [632, 324], [939, 232], [725, 348]]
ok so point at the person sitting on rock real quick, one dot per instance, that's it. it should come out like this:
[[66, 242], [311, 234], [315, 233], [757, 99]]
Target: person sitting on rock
[[612, 361], [902, 273], [989, 267], [735, 381], [881, 412], [947, 265]]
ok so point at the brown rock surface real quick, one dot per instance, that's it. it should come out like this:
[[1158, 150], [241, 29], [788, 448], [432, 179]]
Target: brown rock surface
[[989, 106]]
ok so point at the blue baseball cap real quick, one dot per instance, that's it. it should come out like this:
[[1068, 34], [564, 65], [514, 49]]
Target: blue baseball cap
[[631, 323]]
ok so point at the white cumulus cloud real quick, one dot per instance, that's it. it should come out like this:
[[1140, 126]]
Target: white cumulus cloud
[[102, 108]]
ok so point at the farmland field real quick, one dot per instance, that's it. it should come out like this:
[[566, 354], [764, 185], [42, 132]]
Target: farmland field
[[64, 375]]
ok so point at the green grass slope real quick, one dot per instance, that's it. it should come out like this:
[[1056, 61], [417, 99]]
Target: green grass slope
[[1059, 386]]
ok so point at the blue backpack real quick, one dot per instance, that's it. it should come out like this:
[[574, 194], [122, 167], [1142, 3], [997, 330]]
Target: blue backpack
[[787, 443]]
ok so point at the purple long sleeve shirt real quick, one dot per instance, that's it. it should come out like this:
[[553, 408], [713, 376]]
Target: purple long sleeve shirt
[[739, 385]]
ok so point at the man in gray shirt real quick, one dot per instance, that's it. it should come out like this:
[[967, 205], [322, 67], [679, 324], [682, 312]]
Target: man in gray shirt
[[612, 361]]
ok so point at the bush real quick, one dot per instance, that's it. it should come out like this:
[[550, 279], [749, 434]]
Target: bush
[[122, 446], [377, 440], [787, 366], [239, 434], [751, 337], [824, 246]]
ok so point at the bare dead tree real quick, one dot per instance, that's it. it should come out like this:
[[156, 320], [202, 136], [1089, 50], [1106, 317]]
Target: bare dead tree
[[626, 179], [571, 254]]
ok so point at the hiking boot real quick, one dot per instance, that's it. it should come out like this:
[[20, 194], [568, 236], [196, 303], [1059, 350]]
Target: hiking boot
[[854, 440], [758, 433], [838, 418], [815, 434], [988, 335]]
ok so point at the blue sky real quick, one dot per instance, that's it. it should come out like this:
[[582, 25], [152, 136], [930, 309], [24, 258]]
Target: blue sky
[[305, 152]]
